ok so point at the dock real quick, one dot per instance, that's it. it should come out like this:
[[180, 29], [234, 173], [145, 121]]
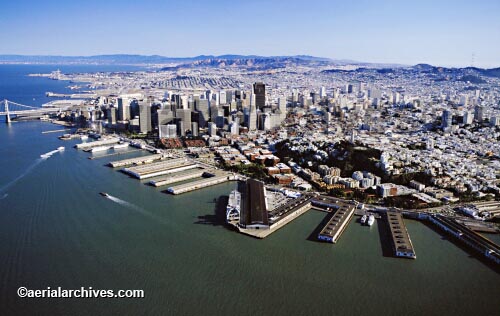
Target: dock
[[401, 243], [56, 131], [199, 184], [338, 222], [160, 168], [279, 217], [114, 154], [462, 233], [98, 143], [135, 161], [178, 177]]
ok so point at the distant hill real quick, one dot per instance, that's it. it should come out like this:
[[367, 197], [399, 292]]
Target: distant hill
[[467, 74], [142, 59]]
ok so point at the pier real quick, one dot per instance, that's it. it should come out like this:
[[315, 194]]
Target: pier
[[199, 184], [178, 177], [56, 131], [341, 215], [135, 161], [114, 154], [401, 243], [484, 246], [160, 168], [97, 143]]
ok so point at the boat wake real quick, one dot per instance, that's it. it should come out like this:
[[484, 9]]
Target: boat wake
[[137, 209], [22, 175]]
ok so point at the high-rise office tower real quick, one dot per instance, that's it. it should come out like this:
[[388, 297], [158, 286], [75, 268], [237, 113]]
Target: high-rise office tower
[[468, 117], [446, 119], [165, 116], [235, 127], [222, 97], [194, 129], [251, 114], [322, 92], [144, 117], [479, 113], [282, 107], [259, 89], [212, 129], [185, 116], [111, 115], [201, 106], [123, 109], [168, 131]]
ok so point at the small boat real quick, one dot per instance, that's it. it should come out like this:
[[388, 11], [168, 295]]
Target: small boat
[[371, 220], [104, 194], [363, 219], [120, 145], [61, 148]]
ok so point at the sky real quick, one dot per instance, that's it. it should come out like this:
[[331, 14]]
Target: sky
[[444, 33]]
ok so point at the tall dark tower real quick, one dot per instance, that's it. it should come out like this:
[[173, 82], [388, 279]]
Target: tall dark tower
[[259, 89]]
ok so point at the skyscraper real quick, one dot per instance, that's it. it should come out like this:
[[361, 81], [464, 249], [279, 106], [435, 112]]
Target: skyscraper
[[212, 129], [201, 106], [185, 116], [259, 89], [123, 109], [144, 117], [479, 113], [322, 92], [446, 119], [111, 115], [251, 114]]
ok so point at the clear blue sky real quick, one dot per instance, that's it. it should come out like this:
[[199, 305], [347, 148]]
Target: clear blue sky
[[437, 32]]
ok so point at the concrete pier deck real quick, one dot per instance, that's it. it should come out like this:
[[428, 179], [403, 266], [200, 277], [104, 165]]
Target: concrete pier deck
[[341, 215], [470, 238], [135, 161], [89, 145], [401, 242], [199, 184], [160, 168], [178, 177]]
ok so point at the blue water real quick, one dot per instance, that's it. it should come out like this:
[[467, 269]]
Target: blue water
[[56, 230], [17, 86]]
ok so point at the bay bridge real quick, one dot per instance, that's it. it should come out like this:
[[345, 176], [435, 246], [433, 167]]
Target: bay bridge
[[9, 108]]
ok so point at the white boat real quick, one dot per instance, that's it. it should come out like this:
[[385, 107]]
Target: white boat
[[371, 220], [121, 145], [100, 148], [84, 137], [363, 219], [61, 148]]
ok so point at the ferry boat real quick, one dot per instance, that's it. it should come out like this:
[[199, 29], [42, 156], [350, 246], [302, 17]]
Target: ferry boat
[[104, 194], [363, 219], [371, 220]]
